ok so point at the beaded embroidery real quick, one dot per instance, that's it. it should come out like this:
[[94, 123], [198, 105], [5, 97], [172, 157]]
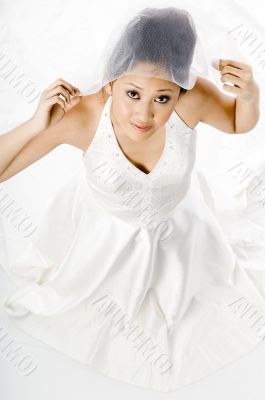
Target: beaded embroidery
[[109, 170]]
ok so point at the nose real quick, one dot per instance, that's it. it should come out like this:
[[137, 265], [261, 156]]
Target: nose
[[144, 113]]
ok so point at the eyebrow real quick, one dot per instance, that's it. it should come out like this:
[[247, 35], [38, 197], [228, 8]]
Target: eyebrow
[[159, 90]]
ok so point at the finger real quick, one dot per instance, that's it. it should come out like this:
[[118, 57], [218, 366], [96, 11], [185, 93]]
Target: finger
[[233, 63], [232, 89], [56, 100], [72, 89], [234, 71], [73, 102], [233, 79], [59, 90], [59, 82]]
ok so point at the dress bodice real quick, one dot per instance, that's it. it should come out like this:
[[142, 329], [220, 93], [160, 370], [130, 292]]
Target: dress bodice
[[126, 191]]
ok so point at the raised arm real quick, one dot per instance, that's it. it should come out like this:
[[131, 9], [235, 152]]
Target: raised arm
[[238, 114], [13, 141], [68, 130], [57, 120], [217, 109], [50, 110]]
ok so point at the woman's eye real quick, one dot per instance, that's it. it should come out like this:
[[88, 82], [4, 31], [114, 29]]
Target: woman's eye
[[163, 97], [131, 91]]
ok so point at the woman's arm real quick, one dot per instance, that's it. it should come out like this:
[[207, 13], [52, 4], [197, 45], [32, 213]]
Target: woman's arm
[[50, 110], [70, 130], [238, 114], [216, 108], [13, 141], [247, 112], [33, 139]]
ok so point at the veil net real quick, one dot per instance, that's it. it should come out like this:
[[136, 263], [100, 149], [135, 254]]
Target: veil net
[[161, 42]]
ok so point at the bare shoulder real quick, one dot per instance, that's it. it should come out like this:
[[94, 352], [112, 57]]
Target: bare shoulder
[[217, 108], [206, 103], [85, 120], [188, 105]]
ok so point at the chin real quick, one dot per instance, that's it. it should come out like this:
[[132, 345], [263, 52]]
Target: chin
[[140, 135]]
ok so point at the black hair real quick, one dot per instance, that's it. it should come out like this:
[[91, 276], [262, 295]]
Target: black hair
[[165, 37], [182, 91]]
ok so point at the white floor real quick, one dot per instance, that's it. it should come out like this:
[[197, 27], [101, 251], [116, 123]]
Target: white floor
[[57, 376]]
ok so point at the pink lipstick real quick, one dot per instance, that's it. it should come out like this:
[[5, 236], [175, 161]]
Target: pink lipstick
[[141, 128]]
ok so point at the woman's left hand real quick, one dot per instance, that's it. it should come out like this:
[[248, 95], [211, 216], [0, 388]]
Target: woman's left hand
[[240, 75]]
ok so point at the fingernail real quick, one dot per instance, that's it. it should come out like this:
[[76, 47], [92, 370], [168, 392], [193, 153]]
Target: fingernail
[[215, 63]]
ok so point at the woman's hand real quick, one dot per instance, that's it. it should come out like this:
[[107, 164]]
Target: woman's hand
[[52, 107], [246, 89], [240, 75]]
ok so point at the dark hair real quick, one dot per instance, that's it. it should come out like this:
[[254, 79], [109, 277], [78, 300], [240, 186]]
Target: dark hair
[[182, 91], [165, 37]]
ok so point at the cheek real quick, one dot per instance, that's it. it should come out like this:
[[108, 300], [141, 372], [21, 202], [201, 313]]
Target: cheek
[[167, 114], [125, 113], [162, 117]]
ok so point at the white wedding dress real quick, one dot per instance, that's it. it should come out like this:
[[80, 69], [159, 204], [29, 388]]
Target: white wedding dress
[[134, 274]]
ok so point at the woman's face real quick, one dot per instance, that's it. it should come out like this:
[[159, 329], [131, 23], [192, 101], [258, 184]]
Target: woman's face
[[141, 100]]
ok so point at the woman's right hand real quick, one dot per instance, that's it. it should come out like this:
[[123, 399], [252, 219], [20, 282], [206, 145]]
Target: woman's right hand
[[51, 107]]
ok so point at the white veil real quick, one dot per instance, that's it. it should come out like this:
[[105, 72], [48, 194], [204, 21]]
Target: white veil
[[165, 36]]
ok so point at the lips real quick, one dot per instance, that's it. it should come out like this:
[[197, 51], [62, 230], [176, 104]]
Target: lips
[[141, 127]]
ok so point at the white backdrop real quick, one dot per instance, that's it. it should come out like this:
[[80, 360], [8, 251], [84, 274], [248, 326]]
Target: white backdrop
[[41, 41]]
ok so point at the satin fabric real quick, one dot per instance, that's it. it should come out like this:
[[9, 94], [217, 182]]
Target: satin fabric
[[135, 274]]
